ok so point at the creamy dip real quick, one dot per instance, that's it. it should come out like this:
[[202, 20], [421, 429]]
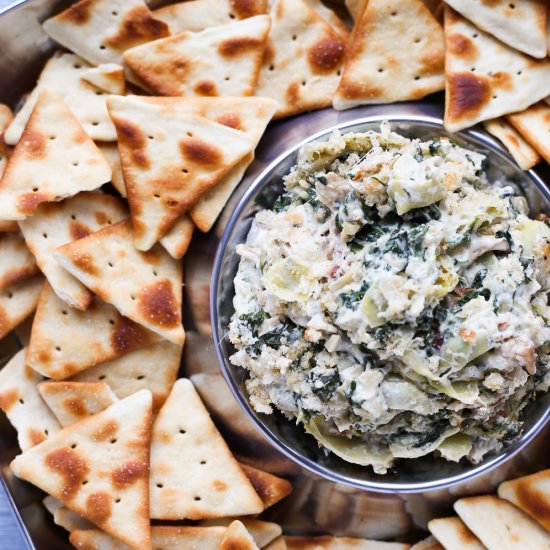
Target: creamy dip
[[393, 302]]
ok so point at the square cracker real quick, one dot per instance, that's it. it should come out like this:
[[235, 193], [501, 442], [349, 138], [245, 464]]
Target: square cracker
[[65, 341], [62, 75], [55, 224], [146, 287], [20, 400]]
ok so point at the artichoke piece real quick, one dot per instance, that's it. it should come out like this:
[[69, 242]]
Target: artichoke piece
[[408, 451], [529, 233], [289, 279], [370, 310], [352, 450], [458, 351], [465, 392], [455, 447]]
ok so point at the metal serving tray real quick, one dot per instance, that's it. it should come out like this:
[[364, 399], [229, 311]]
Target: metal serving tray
[[316, 505]]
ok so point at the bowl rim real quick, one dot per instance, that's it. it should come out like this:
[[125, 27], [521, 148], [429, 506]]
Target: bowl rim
[[262, 179]]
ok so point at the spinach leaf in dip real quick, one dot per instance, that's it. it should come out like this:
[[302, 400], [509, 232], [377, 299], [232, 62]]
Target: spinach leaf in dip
[[394, 302]]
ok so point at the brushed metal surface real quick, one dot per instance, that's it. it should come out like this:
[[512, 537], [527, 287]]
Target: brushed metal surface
[[317, 505]]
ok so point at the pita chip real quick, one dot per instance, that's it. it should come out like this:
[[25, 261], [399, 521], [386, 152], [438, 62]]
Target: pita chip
[[520, 25], [20, 400], [263, 532], [502, 81], [429, 543], [55, 224], [146, 287], [6, 117], [198, 15], [17, 302], [16, 262], [53, 160], [99, 468], [65, 341], [218, 61], [108, 77], [177, 240], [51, 504], [110, 28], [525, 156], [73, 401], [509, 527], [70, 520], [237, 536], [328, 542], [454, 534], [331, 17], [247, 114], [271, 489], [110, 152], [154, 368], [396, 53], [212, 483], [534, 125], [62, 75], [303, 59], [164, 537], [277, 544], [531, 494], [169, 160]]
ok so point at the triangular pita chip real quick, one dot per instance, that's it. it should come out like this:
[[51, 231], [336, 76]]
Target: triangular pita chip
[[271, 489], [110, 152], [303, 59], [20, 400], [454, 534], [263, 532], [52, 504], [71, 521], [55, 224], [212, 484], [523, 153], [177, 240], [330, 16], [396, 53], [531, 494], [99, 468], [219, 61], [534, 125], [429, 543], [520, 25], [237, 536], [340, 543], [65, 340], [62, 75], [508, 527], [16, 262], [169, 160], [109, 26], [6, 117], [198, 15], [247, 114], [73, 401], [17, 302], [154, 368], [484, 78], [164, 538], [54, 159], [143, 286], [277, 544], [108, 77]]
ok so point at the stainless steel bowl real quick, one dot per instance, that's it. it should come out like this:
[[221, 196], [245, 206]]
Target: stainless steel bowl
[[410, 476]]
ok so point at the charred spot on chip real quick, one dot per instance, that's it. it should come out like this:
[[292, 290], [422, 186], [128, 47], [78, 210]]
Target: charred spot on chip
[[127, 335], [27, 203], [232, 47], [35, 437], [85, 262], [137, 26], [326, 54], [245, 8], [206, 88], [462, 46], [71, 466], [219, 485], [135, 140], [8, 399], [533, 499], [78, 13], [98, 507], [33, 144], [200, 152], [502, 79], [76, 406], [78, 230], [467, 94], [157, 303], [127, 474]]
